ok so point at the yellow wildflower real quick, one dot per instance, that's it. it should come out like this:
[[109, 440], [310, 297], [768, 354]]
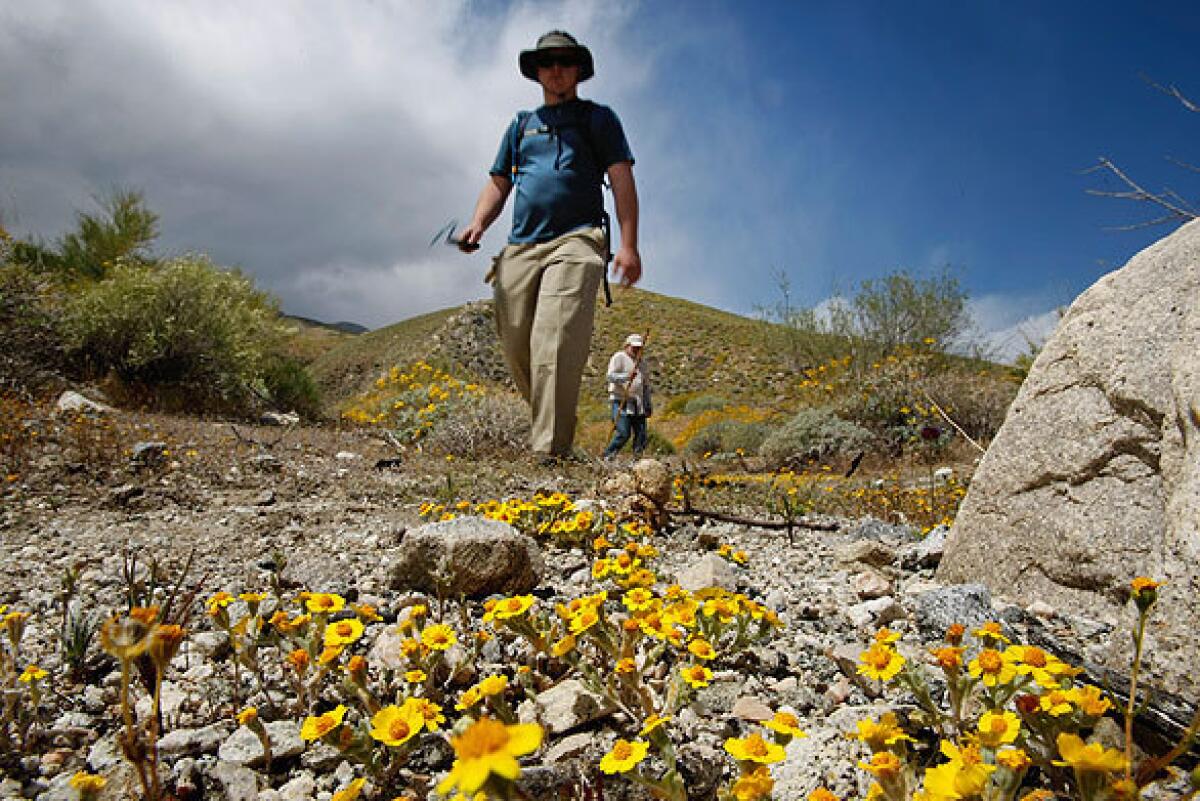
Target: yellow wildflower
[[754, 785], [880, 662], [785, 723], [623, 756], [992, 668], [998, 728], [487, 746], [343, 633], [317, 726], [884, 765], [879, 735], [438, 637], [350, 792], [1088, 757], [325, 603], [753, 748], [395, 725], [31, 674], [696, 675]]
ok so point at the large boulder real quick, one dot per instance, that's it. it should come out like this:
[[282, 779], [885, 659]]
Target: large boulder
[[1094, 478], [468, 556]]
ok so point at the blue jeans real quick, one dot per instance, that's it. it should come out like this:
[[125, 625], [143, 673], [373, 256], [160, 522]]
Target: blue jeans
[[626, 424]]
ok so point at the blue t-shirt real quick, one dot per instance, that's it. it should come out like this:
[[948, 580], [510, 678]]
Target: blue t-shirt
[[560, 166]]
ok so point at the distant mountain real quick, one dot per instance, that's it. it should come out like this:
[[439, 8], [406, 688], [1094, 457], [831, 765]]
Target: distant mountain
[[345, 327]]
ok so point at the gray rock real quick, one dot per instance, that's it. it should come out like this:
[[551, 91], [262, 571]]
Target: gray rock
[[871, 584], [71, 402], [244, 748], [750, 708], [266, 463], [1094, 477], [875, 613], [653, 480], [301, 787], [279, 419], [867, 552], [570, 747], [148, 453], [708, 571], [103, 754], [238, 783], [468, 556], [569, 705], [937, 610], [926, 552], [193, 742]]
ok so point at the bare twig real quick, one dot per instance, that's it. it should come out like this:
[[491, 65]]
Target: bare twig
[[1175, 93], [1169, 200]]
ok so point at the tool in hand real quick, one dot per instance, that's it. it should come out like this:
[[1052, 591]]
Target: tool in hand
[[446, 236]]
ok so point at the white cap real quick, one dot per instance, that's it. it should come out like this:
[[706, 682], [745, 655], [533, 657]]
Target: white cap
[[635, 340]]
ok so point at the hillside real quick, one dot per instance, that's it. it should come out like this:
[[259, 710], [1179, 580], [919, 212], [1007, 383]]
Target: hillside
[[693, 348]]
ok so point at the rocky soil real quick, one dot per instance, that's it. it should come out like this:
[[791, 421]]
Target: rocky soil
[[328, 511]]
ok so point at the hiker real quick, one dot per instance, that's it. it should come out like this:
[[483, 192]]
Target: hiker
[[546, 278], [629, 392]]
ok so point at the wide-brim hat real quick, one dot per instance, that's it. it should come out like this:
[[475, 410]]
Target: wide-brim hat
[[635, 341], [556, 41]]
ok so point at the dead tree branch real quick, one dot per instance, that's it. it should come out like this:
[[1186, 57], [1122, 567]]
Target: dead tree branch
[[1177, 208]]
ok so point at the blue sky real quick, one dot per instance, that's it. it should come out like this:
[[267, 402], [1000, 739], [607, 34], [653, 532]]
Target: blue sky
[[318, 146]]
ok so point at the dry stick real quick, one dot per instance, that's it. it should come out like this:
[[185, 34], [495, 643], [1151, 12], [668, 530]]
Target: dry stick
[[948, 419], [1136, 192]]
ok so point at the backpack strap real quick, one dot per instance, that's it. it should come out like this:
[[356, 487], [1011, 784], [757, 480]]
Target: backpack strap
[[518, 135]]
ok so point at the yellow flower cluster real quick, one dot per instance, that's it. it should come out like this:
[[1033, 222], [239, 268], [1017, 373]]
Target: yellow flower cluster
[[1030, 711], [546, 516], [409, 401]]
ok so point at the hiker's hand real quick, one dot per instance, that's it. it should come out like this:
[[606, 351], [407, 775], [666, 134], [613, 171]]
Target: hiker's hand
[[468, 240], [627, 266]]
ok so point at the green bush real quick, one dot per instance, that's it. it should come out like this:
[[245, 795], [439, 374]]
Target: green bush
[[704, 403], [657, 444], [185, 325], [728, 436], [291, 387], [813, 434]]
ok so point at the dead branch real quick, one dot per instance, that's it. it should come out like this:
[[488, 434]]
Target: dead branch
[[1178, 210], [1175, 93]]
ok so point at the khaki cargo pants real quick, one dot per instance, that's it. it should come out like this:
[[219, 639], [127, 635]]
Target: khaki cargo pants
[[545, 305]]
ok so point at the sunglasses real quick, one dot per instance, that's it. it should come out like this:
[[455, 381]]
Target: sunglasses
[[558, 60]]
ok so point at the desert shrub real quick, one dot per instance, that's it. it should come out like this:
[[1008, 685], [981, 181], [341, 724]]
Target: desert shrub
[[813, 434], [187, 325], [122, 231], [704, 403], [976, 402], [728, 436], [657, 444], [31, 320], [481, 425], [291, 387]]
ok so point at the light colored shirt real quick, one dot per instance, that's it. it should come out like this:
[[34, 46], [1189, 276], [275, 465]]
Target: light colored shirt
[[635, 393]]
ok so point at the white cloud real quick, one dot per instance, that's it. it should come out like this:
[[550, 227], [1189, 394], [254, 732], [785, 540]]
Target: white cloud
[[1008, 326], [316, 145]]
